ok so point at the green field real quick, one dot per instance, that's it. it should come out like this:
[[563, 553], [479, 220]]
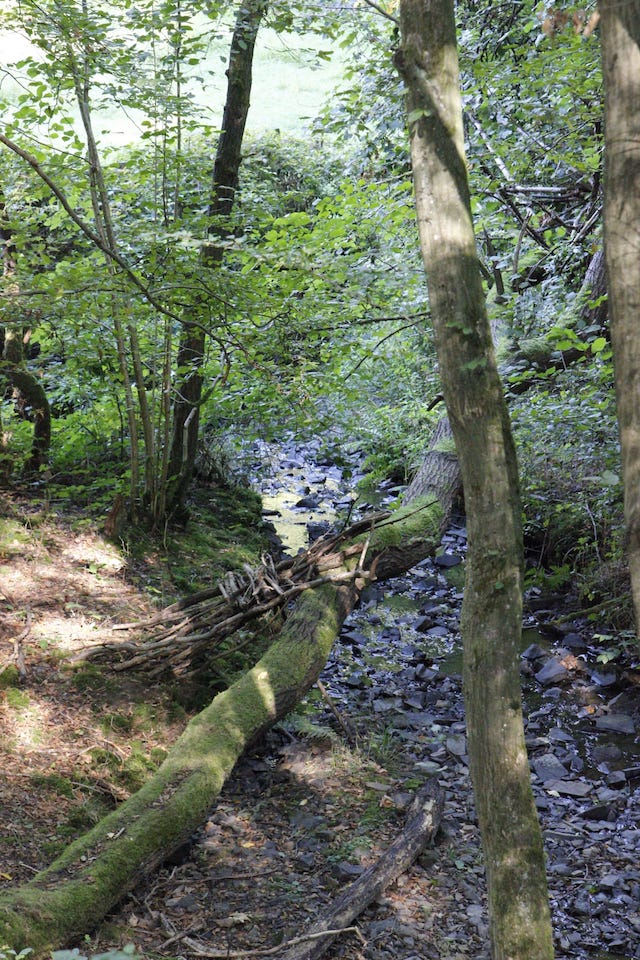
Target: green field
[[290, 84]]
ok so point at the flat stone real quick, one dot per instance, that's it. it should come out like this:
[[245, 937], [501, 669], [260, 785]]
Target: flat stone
[[616, 723], [445, 560], [457, 745], [437, 632], [606, 752], [601, 811], [558, 735], [347, 871], [552, 672], [569, 788], [533, 652], [574, 642], [308, 503], [548, 767], [604, 679]]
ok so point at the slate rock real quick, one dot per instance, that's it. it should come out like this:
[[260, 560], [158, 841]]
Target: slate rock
[[437, 632], [457, 745], [617, 780], [616, 723], [354, 638], [548, 767], [533, 652], [574, 642], [309, 503], [606, 753], [570, 788], [446, 560], [601, 811], [558, 735], [552, 672], [602, 679], [345, 871]]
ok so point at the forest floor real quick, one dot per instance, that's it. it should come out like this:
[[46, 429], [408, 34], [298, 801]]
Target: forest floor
[[307, 811]]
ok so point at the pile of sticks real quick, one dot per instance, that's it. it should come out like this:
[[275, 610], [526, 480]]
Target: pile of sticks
[[173, 641]]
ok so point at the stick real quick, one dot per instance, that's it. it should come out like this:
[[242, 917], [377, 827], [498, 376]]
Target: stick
[[344, 722], [423, 821], [264, 951]]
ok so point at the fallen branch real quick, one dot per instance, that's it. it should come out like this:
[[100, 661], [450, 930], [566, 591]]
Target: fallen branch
[[423, 822], [179, 637], [201, 951]]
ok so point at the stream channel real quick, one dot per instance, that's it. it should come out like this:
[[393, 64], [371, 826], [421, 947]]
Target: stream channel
[[396, 670]]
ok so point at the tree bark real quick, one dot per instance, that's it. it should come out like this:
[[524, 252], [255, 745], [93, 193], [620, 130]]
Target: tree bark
[[620, 33], [191, 351], [492, 609]]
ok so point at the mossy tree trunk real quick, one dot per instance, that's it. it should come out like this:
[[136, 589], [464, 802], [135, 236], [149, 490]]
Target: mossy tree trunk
[[620, 32], [492, 608], [72, 895]]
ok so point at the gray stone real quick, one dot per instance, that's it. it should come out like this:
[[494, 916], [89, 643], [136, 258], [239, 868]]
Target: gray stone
[[457, 745], [616, 723], [570, 788], [548, 767], [552, 672]]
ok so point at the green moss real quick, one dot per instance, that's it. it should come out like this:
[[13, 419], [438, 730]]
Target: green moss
[[121, 723], [14, 536], [54, 783], [9, 677], [445, 445], [419, 519], [17, 699], [89, 676]]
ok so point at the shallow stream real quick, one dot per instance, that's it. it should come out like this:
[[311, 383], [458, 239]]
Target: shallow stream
[[396, 669]]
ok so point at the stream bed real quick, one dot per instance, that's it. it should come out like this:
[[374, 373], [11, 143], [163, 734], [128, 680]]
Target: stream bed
[[395, 674]]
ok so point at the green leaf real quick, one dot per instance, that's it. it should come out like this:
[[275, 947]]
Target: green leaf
[[418, 114]]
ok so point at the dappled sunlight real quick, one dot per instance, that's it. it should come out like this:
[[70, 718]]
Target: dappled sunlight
[[68, 588]]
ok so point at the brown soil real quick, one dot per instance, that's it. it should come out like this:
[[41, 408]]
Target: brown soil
[[298, 820]]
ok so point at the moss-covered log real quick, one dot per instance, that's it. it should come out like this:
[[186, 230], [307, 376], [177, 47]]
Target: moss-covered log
[[92, 874], [95, 871]]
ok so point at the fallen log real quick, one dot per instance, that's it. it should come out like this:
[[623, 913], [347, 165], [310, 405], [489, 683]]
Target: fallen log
[[176, 639], [422, 824], [93, 873]]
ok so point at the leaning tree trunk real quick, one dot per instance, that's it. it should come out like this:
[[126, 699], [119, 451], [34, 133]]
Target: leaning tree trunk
[[620, 31], [28, 393], [492, 608], [191, 351]]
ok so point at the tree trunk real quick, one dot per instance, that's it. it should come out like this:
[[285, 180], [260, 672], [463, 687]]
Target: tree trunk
[[191, 352], [620, 32], [593, 291], [439, 472], [28, 393], [93, 873], [492, 608]]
